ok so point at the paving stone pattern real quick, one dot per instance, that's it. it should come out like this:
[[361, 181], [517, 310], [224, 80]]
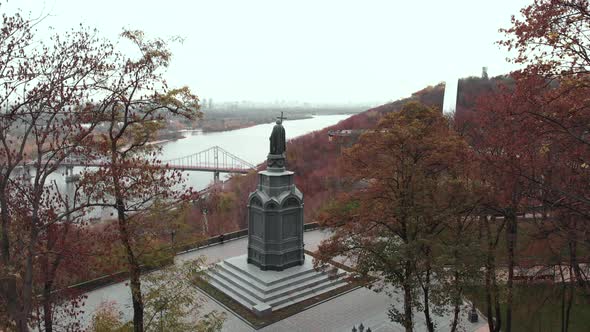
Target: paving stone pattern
[[339, 314]]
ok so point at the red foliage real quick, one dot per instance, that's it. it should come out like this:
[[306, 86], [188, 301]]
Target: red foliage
[[551, 37], [314, 160]]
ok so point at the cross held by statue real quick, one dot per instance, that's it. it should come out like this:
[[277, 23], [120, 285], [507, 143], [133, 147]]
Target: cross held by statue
[[281, 118]]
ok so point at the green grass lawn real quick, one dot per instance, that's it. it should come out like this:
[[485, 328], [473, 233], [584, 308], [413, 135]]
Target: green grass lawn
[[537, 308]]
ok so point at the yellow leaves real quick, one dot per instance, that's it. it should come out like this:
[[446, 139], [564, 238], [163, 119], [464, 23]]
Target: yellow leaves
[[552, 36], [108, 318], [181, 100], [145, 131], [292, 155], [226, 201], [544, 149], [135, 36]]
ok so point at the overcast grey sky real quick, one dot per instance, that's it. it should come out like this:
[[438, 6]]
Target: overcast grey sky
[[307, 50]]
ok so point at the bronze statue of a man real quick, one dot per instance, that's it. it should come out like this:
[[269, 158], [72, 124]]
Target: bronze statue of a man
[[277, 138]]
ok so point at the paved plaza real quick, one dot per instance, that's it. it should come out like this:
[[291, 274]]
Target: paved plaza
[[338, 314]]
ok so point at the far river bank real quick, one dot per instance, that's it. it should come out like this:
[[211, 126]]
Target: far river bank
[[249, 144]]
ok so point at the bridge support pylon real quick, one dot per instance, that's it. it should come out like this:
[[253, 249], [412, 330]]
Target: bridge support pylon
[[216, 177], [27, 174], [70, 176]]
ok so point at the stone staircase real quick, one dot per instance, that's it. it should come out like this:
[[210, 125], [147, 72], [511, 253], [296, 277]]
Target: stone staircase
[[266, 291]]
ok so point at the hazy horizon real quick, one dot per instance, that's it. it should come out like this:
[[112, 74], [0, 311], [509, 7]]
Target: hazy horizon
[[329, 52]]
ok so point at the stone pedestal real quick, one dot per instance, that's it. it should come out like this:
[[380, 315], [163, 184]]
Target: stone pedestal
[[266, 291], [274, 274], [275, 219]]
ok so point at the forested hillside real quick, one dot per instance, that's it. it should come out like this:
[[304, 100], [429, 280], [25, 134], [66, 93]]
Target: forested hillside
[[314, 159]]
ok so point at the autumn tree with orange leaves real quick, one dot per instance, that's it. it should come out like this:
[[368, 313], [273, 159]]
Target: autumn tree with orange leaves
[[44, 119], [413, 200], [133, 182], [553, 40], [75, 95]]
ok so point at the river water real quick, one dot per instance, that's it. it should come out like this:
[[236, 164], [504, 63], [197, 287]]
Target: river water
[[250, 144]]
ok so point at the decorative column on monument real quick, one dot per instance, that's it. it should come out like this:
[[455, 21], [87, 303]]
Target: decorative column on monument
[[275, 212]]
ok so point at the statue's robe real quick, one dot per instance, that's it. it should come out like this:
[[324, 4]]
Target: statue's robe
[[277, 140]]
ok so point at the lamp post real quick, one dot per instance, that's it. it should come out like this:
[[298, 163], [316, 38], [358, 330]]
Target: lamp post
[[172, 235], [473, 317]]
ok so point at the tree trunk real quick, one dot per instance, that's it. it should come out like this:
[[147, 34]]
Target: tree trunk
[[408, 301], [511, 231], [489, 308], [136, 298], [26, 300], [492, 309], [5, 245], [458, 282], [408, 324], [426, 290], [134, 268], [21, 316], [580, 279], [572, 245], [563, 286], [8, 284], [50, 272], [47, 307], [429, 324], [496, 303], [21, 322], [456, 303], [568, 309], [456, 312]]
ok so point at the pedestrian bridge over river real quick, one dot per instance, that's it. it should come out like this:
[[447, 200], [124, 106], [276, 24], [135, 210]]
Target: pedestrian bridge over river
[[214, 159]]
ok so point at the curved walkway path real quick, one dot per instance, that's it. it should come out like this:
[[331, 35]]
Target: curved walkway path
[[338, 314]]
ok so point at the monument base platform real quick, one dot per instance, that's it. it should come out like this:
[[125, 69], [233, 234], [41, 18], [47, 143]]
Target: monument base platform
[[273, 267], [265, 291]]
